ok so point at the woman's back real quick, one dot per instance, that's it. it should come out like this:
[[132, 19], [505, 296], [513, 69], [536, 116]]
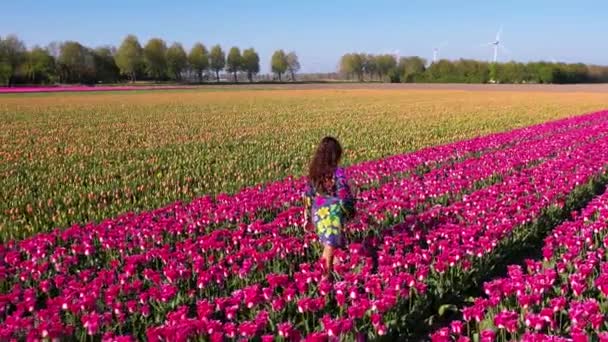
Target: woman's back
[[328, 200], [331, 207]]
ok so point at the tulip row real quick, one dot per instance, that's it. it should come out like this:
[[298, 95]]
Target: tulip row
[[561, 298], [154, 263], [414, 192], [192, 251], [259, 249], [80, 158], [258, 201], [131, 234], [363, 296], [456, 241]]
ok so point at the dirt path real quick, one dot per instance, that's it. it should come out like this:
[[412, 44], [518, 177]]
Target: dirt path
[[567, 88], [557, 88]]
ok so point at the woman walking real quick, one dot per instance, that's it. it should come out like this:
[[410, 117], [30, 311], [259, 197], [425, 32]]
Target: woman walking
[[328, 200]]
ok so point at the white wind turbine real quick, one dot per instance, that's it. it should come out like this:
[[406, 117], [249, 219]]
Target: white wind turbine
[[436, 51], [498, 45]]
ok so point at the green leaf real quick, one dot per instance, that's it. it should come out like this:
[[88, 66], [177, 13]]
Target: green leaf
[[447, 307]]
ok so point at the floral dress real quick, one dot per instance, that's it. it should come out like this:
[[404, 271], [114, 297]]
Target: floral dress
[[330, 212]]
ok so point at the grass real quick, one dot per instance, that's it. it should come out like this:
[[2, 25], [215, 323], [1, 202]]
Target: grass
[[73, 158]]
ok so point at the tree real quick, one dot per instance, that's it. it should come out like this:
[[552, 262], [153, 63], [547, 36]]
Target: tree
[[5, 69], [89, 71], [293, 64], [440, 71], [177, 60], [411, 67], [234, 61], [106, 69], [598, 74], [475, 71], [12, 55], [512, 72], [579, 73], [251, 63], [385, 63], [352, 64], [494, 72], [279, 63], [39, 66], [72, 61], [129, 58], [217, 60], [547, 73], [199, 60], [345, 67], [155, 57], [369, 65]]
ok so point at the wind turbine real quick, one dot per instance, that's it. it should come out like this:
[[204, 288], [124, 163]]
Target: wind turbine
[[437, 50], [397, 55], [497, 45]]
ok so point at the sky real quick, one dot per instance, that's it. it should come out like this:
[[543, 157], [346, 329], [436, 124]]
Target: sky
[[321, 31]]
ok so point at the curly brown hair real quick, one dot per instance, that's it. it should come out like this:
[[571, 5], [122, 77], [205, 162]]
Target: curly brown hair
[[323, 165]]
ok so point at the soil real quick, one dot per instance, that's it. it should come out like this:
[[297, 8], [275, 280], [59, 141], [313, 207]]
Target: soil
[[556, 88], [567, 88]]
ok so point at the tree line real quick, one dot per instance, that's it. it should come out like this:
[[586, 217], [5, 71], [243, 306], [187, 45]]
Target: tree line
[[387, 68], [72, 62]]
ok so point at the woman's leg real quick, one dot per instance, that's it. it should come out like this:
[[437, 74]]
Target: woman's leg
[[328, 257], [340, 244]]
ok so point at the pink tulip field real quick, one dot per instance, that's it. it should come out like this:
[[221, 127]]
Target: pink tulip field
[[431, 225], [562, 297]]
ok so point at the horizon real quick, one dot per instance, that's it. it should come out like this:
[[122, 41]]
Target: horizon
[[568, 33]]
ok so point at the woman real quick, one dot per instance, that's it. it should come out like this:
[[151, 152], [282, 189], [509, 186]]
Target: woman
[[328, 200]]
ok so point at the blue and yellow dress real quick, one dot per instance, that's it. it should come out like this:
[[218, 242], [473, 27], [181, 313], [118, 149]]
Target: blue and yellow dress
[[329, 212]]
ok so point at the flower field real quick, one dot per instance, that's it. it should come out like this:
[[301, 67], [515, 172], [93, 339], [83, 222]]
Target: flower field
[[239, 265], [23, 90], [74, 158], [152, 245], [562, 297]]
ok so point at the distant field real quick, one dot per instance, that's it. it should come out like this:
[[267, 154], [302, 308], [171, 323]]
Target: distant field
[[601, 88], [61, 89], [72, 158]]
